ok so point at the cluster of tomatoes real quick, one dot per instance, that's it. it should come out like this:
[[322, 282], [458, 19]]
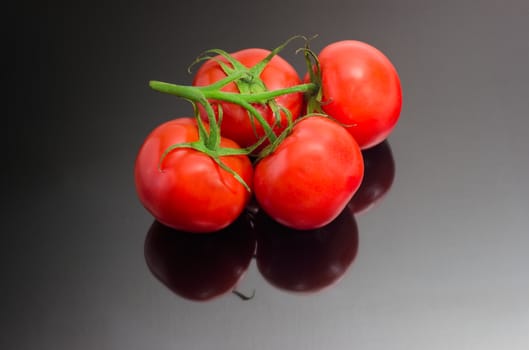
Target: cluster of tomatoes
[[260, 130]]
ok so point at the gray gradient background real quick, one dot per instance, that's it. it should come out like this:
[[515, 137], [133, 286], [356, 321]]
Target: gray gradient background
[[443, 261]]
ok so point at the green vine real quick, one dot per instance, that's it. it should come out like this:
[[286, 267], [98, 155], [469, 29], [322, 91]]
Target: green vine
[[252, 91]]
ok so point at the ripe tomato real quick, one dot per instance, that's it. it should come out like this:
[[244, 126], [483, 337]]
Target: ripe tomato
[[190, 191], [236, 123], [200, 267], [361, 88], [379, 172], [305, 261], [311, 176]]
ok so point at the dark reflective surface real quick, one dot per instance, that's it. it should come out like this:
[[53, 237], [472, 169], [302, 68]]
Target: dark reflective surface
[[442, 261]]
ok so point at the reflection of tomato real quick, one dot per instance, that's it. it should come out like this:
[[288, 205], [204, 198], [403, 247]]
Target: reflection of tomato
[[379, 172], [200, 267], [305, 261]]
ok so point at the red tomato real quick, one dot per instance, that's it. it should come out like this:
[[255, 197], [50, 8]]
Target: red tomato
[[278, 74], [190, 192], [200, 267], [311, 176], [305, 261], [361, 88], [379, 172]]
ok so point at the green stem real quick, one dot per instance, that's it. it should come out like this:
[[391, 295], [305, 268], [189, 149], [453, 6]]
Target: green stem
[[230, 78], [193, 94], [201, 94], [186, 92], [213, 140], [259, 97]]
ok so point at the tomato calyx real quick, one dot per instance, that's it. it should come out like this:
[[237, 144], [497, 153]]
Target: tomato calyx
[[252, 89], [213, 154], [201, 95], [315, 97], [251, 83], [288, 130], [252, 92]]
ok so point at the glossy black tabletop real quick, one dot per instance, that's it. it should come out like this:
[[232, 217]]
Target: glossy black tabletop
[[440, 261]]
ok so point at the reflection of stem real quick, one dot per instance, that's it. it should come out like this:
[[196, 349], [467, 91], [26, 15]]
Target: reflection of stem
[[242, 296]]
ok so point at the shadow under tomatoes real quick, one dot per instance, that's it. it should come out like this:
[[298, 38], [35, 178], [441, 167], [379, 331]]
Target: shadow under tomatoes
[[379, 173], [305, 261], [200, 267]]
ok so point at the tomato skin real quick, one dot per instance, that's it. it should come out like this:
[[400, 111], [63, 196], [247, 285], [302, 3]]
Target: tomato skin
[[200, 267], [236, 124], [360, 86], [379, 174], [190, 192], [311, 176], [305, 261]]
